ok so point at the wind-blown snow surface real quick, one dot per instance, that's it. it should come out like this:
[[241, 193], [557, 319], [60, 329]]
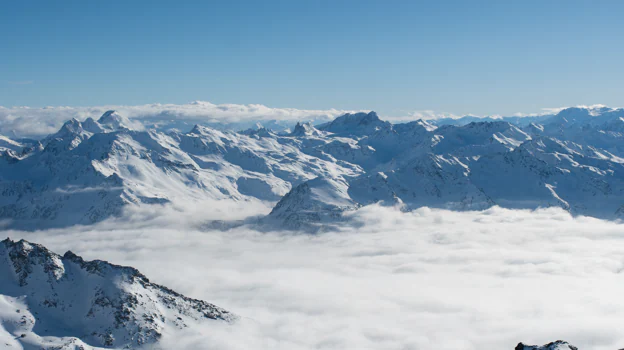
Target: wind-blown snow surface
[[427, 279]]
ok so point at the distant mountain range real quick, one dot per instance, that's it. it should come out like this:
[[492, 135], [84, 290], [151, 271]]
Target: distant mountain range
[[90, 170]]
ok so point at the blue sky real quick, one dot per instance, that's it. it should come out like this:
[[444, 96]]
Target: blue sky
[[394, 57]]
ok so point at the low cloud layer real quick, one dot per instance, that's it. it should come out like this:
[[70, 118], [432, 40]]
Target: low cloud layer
[[430, 279], [37, 122]]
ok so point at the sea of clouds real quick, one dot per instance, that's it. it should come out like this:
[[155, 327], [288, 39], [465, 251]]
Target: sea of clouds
[[428, 279]]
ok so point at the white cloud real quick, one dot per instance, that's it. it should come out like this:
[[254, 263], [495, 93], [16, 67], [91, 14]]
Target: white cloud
[[37, 122], [430, 279], [555, 110], [423, 114], [432, 115]]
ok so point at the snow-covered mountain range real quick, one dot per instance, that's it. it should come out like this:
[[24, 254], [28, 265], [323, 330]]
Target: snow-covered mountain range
[[49, 301], [91, 170]]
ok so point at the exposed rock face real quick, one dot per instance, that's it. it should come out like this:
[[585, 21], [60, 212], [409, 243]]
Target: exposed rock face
[[103, 304]]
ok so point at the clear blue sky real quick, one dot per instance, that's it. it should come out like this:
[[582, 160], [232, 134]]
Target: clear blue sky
[[391, 56]]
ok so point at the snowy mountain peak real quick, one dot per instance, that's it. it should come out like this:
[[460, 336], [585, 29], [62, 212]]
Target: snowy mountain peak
[[27, 256], [426, 125], [305, 129], [202, 130], [357, 124], [320, 200], [579, 116], [556, 345], [111, 120], [368, 118], [108, 115], [72, 126], [576, 112], [69, 136], [103, 304], [594, 110], [92, 126], [258, 132], [73, 132]]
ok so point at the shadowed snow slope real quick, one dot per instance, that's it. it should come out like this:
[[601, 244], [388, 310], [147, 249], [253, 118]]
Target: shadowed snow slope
[[102, 304]]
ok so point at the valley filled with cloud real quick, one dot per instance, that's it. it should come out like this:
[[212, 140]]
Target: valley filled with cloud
[[427, 279], [311, 175]]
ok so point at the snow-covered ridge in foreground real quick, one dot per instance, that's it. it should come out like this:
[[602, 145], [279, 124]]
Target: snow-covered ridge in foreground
[[53, 301]]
